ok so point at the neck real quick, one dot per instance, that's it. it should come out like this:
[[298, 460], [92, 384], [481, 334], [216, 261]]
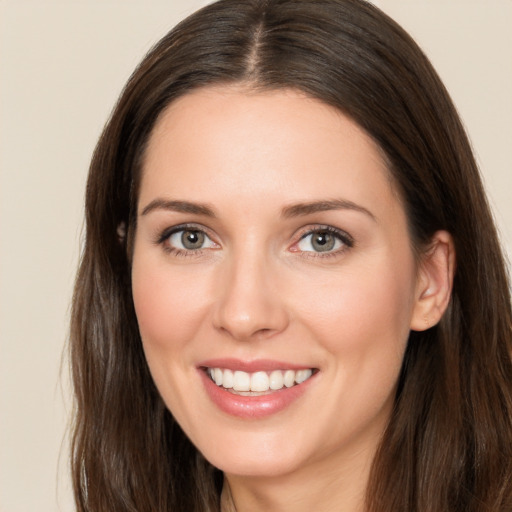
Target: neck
[[327, 488]]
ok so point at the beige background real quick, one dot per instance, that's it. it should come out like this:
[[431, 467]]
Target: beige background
[[62, 65]]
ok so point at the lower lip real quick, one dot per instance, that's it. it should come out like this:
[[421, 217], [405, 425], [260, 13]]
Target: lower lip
[[253, 407]]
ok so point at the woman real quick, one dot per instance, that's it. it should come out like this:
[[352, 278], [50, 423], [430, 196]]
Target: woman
[[292, 294]]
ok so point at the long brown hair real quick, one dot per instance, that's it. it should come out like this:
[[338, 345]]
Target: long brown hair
[[448, 445]]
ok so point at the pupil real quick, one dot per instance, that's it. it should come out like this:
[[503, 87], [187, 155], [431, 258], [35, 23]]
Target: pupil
[[192, 239], [323, 242]]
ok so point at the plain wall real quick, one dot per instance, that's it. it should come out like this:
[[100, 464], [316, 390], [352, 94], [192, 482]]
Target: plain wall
[[62, 66]]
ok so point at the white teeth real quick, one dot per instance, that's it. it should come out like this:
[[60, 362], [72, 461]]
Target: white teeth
[[289, 378], [228, 379], [276, 380], [217, 376], [302, 375], [259, 381], [241, 381]]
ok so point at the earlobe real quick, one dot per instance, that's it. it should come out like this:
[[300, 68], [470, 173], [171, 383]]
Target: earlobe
[[434, 284]]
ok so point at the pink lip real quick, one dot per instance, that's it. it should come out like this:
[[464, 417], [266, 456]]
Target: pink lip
[[251, 407], [257, 365]]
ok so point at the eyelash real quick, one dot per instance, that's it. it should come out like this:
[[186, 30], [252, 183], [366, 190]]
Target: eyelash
[[346, 240], [342, 236], [163, 240]]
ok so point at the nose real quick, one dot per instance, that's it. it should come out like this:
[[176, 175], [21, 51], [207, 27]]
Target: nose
[[249, 302]]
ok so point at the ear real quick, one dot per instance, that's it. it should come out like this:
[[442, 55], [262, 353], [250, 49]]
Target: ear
[[434, 282], [121, 232]]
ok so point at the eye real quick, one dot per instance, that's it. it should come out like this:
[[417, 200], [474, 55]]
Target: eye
[[324, 240], [187, 239], [190, 240]]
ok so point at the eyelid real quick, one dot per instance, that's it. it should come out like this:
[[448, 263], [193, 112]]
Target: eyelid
[[166, 233], [346, 239]]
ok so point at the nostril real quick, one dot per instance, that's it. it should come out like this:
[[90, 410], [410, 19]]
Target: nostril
[[239, 333]]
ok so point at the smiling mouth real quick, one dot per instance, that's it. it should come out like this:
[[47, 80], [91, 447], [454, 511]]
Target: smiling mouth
[[257, 383]]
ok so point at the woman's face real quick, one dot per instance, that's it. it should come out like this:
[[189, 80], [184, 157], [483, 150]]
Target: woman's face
[[272, 256]]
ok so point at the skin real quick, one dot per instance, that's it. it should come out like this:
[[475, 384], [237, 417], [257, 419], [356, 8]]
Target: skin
[[257, 289]]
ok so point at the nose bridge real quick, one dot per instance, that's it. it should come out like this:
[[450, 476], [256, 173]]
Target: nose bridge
[[249, 303]]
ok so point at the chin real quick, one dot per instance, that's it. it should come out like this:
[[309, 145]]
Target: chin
[[255, 467], [256, 456]]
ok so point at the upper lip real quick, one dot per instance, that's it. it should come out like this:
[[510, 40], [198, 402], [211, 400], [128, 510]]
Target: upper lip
[[265, 365]]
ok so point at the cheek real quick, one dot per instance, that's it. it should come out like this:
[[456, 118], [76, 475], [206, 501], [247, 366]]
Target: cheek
[[169, 313], [363, 318], [168, 303], [363, 324]]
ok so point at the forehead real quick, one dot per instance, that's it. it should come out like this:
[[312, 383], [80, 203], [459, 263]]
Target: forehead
[[228, 141]]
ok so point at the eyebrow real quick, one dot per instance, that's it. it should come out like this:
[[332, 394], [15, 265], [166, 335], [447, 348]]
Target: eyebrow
[[302, 209], [295, 210], [179, 206]]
